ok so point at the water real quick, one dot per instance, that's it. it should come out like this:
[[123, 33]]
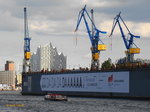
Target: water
[[13, 101]]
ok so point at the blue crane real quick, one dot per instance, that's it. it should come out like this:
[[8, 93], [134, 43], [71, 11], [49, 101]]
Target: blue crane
[[93, 36], [128, 41], [27, 53]]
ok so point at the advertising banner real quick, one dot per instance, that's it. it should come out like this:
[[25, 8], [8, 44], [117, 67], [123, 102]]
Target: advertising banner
[[87, 82]]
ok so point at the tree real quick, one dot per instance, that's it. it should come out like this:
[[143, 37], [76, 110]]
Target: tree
[[107, 64]]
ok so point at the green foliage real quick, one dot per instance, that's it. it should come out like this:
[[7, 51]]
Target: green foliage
[[107, 64]]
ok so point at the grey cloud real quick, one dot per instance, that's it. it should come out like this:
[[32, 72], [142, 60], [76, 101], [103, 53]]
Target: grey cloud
[[9, 23], [64, 10], [133, 10]]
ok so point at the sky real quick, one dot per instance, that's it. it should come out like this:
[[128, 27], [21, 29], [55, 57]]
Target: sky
[[55, 21]]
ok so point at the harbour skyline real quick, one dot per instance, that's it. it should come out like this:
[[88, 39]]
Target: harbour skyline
[[55, 21]]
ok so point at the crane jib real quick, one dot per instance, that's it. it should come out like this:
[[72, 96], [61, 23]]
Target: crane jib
[[94, 36], [128, 42]]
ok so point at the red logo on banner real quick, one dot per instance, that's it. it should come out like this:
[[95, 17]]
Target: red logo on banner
[[110, 79]]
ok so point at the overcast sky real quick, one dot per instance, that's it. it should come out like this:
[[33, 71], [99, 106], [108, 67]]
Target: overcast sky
[[55, 21]]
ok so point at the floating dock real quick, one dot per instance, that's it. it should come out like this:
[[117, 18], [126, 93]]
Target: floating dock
[[112, 83]]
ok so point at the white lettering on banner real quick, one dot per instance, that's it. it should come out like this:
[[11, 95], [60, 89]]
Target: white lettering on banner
[[87, 82]]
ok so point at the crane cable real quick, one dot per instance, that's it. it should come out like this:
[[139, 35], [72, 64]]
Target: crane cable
[[111, 39], [76, 38], [111, 43]]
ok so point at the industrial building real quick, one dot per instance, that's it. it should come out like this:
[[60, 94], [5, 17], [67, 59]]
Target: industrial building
[[47, 58], [9, 66], [7, 77]]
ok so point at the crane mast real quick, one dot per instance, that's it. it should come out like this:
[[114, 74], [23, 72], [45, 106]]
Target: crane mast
[[27, 53], [129, 44], [96, 42]]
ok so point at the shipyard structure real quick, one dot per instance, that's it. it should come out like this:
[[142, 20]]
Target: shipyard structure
[[126, 78], [46, 58]]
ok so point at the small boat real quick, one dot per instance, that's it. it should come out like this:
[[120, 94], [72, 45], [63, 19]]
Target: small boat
[[55, 97]]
